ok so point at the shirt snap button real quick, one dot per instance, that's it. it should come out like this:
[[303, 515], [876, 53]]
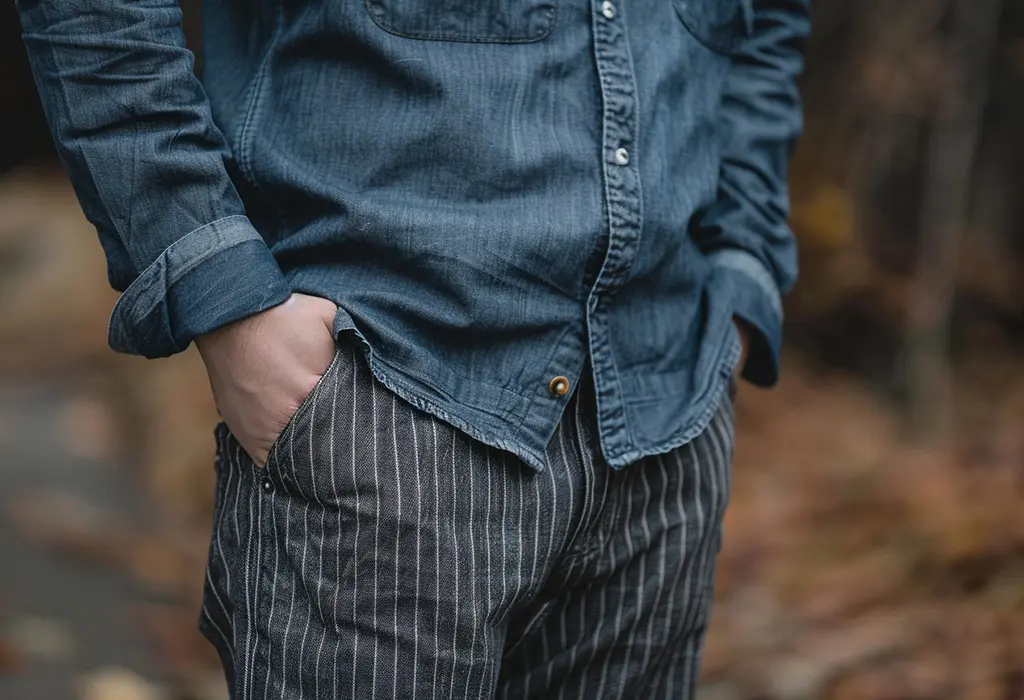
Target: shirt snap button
[[621, 156], [607, 9], [268, 485], [559, 386]]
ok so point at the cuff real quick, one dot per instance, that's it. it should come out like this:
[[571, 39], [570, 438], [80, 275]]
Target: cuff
[[218, 273], [757, 301]]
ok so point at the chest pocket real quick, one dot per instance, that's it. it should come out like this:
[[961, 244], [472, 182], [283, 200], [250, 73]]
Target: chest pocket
[[481, 21], [721, 25]]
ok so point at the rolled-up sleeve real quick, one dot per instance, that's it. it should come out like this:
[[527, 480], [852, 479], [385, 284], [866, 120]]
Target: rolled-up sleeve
[[133, 127], [745, 233]]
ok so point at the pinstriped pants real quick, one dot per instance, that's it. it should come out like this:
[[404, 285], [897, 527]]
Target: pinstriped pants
[[382, 553]]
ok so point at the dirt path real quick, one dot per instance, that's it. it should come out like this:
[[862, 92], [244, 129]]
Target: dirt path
[[61, 619]]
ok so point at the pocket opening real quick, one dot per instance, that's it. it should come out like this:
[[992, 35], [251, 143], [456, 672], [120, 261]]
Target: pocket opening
[[303, 406]]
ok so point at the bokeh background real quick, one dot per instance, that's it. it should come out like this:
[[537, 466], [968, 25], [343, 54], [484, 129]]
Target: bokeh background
[[875, 538]]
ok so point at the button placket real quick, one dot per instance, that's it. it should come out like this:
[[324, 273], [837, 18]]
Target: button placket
[[623, 202]]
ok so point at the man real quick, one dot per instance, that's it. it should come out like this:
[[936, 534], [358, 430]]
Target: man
[[471, 280]]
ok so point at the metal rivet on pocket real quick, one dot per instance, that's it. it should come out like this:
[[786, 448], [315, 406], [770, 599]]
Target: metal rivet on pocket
[[607, 9], [559, 386]]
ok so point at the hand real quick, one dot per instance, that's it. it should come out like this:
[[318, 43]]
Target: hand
[[744, 332], [263, 367]]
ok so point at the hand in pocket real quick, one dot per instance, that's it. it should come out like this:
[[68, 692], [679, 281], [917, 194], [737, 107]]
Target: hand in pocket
[[263, 367]]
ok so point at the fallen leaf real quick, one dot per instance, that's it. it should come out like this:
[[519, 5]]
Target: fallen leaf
[[115, 683]]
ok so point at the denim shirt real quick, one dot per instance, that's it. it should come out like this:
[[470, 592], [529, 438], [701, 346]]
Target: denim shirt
[[491, 191]]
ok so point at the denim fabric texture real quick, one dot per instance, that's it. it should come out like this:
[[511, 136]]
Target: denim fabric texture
[[491, 192]]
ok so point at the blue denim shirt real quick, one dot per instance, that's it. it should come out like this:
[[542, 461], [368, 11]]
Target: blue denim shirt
[[490, 191]]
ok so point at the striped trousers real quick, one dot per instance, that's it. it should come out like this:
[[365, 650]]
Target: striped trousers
[[382, 553]]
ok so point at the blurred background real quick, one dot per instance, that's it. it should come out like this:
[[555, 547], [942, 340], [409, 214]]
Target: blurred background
[[875, 538]]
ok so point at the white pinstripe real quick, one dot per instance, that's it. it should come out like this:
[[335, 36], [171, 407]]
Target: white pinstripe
[[695, 608], [437, 556], [531, 668], [673, 589], [355, 540], [302, 566], [207, 614], [376, 538], [719, 437], [504, 549], [473, 574], [563, 633], [691, 656], [218, 514], [549, 557], [270, 617], [495, 653], [691, 447], [254, 600], [248, 548], [305, 521], [551, 544], [238, 491], [398, 534], [660, 460], [337, 495], [535, 478], [692, 610], [519, 550], [455, 553], [630, 550], [588, 480], [640, 469], [419, 537], [603, 606]]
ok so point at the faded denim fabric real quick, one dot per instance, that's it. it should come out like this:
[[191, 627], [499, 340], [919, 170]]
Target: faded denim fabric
[[490, 191]]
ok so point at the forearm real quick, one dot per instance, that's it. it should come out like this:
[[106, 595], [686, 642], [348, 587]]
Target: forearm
[[134, 130], [745, 232]]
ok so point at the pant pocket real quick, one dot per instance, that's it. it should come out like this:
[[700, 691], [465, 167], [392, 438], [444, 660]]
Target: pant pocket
[[299, 463], [296, 418]]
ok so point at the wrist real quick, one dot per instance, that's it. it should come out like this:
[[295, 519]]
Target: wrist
[[208, 344]]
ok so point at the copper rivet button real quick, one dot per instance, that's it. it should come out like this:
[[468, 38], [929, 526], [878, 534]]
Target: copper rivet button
[[559, 386]]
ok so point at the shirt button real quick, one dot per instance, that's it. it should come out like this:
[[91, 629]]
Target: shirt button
[[621, 156], [268, 485], [607, 9], [559, 386]]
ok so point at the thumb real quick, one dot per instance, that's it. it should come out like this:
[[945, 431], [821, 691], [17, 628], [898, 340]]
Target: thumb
[[329, 312]]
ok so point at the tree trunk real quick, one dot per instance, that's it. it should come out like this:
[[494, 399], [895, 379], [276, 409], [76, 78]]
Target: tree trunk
[[955, 130]]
